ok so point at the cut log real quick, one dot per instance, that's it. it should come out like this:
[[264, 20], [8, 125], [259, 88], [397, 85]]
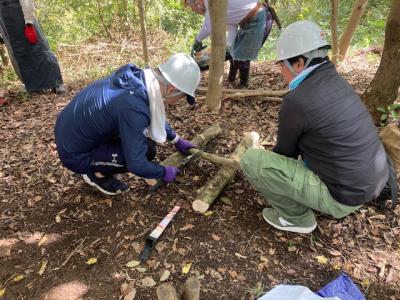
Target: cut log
[[191, 290], [225, 175], [199, 141], [166, 292], [216, 159], [278, 93]]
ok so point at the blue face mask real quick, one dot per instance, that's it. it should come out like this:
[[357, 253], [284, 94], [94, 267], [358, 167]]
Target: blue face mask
[[301, 76]]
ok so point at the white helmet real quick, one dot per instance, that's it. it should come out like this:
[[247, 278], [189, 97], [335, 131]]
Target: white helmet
[[182, 71], [299, 38]]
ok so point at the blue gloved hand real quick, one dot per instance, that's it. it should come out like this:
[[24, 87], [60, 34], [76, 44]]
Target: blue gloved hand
[[196, 47], [170, 173], [183, 146]]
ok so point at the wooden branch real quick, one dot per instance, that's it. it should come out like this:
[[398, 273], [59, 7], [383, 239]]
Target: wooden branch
[[191, 290], [210, 191], [277, 93], [216, 159], [144, 34], [199, 140], [166, 292], [235, 97]]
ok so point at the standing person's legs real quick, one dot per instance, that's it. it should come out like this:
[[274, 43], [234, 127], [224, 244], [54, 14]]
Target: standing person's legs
[[293, 190], [247, 45]]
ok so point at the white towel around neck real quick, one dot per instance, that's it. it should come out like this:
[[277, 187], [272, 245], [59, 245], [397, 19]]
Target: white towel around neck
[[156, 130]]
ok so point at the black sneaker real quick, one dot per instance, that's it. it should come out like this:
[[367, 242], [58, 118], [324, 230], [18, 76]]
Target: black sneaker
[[108, 185]]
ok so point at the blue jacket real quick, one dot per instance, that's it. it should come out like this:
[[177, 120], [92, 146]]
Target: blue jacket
[[110, 108]]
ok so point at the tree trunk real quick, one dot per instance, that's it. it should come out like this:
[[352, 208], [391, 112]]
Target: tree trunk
[[355, 17], [334, 25], [217, 10], [144, 34], [384, 88], [210, 191]]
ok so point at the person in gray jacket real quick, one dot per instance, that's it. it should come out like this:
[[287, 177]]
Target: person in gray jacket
[[29, 51], [343, 163]]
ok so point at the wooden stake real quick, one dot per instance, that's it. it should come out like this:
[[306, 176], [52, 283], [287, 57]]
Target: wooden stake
[[199, 140], [216, 159], [228, 92], [191, 290], [210, 191], [166, 292]]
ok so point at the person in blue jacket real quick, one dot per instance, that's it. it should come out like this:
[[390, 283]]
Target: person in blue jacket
[[112, 126]]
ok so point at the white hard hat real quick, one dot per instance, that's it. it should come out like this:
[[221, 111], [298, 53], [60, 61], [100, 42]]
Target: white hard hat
[[182, 71], [299, 38]]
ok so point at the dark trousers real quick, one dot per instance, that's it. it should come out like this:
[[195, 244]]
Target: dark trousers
[[106, 159]]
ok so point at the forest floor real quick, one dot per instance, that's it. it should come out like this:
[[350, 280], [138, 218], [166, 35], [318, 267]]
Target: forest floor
[[52, 223]]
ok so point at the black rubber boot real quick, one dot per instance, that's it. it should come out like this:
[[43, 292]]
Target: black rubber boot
[[244, 78], [244, 73], [233, 69]]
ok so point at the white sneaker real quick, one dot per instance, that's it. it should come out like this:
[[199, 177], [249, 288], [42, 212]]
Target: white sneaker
[[272, 217]]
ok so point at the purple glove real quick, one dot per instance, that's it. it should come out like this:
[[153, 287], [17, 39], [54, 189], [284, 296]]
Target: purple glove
[[183, 146], [170, 173]]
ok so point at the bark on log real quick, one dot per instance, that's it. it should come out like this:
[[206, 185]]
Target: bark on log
[[144, 33], [278, 93], [166, 292], [191, 289], [199, 140], [220, 160], [210, 191]]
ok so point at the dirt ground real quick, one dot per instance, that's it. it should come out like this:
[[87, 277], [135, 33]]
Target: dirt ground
[[52, 223]]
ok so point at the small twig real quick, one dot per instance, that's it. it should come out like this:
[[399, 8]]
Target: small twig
[[69, 256]]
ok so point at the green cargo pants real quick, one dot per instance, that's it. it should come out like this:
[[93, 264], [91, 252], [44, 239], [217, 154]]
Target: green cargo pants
[[291, 188]]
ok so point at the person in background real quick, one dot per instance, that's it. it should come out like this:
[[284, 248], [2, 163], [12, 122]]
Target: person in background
[[248, 23], [28, 49], [112, 126], [322, 120]]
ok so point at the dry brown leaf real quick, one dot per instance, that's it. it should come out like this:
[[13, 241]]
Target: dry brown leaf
[[165, 275], [148, 282], [187, 227], [160, 246], [335, 253], [43, 267], [233, 274], [216, 237]]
